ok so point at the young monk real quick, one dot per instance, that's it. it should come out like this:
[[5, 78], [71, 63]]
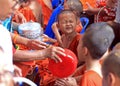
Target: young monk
[[94, 49], [67, 22], [91, 48], [77, 8], [110, 69]]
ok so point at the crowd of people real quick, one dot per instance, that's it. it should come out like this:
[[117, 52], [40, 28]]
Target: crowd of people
[[97, 49]]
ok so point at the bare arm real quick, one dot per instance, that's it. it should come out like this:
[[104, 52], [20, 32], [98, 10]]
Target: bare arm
[[50, 52], [57, 34], [31, 43]]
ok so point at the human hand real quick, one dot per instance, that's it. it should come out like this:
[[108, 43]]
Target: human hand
[[54, 25], [17, 71], [53, 53], [36, 44], [20, 17], [70, 81]]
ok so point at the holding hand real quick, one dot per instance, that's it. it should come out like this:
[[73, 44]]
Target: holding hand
[[70, 81]]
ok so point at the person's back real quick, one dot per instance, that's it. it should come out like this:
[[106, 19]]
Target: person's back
[[94, 46]]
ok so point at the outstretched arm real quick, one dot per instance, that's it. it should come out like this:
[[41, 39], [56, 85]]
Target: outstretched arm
[[50, 52]]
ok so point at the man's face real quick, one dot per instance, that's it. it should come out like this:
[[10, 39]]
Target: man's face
[[6, 7]]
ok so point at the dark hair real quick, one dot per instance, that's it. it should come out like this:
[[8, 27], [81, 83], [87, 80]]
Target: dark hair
[[75, 5], [64, 12], [112, 63], [98, 38]]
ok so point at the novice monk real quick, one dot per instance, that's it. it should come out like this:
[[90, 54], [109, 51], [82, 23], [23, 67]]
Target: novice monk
[[67, 22], [111, 70], [94, 46], [76, 7]]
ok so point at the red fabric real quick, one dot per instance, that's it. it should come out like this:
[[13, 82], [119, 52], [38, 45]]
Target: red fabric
[[73, 45], [109, 15], [91, 78]]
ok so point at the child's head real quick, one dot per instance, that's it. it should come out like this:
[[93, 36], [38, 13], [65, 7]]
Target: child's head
[[111, 69], [67, 21], [97, 39], [74, 5]]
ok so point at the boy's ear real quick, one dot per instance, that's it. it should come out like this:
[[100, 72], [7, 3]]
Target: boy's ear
[[111, 79]]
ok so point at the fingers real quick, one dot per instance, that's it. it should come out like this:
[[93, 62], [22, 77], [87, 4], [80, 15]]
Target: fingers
[[56, 58], [56, 52], [17, 71], [60, 82], [39, 45], [59, 51]]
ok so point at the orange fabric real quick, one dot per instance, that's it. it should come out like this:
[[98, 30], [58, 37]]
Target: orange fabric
[[73, 45], [91, 78], [25, 68], [80, 72], [28, 14], [45, 74], [91, 2], [46, 12]]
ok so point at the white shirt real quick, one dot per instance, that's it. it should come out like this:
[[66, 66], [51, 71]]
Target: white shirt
[[6, 58]]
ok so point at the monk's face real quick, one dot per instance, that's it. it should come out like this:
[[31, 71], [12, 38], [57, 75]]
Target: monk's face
[[67, 22]]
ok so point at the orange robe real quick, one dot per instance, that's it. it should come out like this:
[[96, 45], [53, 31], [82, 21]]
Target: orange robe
[[28, 14], [46, 12], [91, 78], [73, 45], [91, 2]]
